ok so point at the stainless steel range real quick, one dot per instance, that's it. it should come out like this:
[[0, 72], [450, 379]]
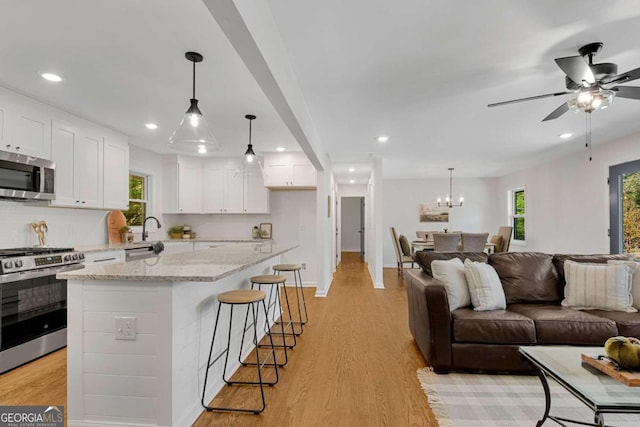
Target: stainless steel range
[[33, 309]]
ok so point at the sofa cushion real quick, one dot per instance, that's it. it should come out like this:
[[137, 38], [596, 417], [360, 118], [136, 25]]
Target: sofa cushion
[[628, 323], [598, 286], [561, 325], [527, 276], [484, 284], [495, 326], [635, 281], [451, 274], [424, 258], [559, 259]]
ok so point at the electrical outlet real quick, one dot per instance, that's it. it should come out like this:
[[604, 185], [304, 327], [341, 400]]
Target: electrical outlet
[[304, 266], [125, 328]]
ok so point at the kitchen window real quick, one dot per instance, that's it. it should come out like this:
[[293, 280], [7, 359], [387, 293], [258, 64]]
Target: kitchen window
[[517, 210], [138, 199]]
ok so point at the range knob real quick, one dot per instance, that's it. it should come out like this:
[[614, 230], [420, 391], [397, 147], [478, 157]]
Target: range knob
[[67, 257], [81, 256], [8, 264], [74, 257], [18, 263]]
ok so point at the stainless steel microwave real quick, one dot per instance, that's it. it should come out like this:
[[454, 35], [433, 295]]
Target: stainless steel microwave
[[26, 178]]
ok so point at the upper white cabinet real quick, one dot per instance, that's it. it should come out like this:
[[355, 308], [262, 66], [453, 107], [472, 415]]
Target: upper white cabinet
[[288, 171], [116, 173], [30, 132], [182, 183], [25, 125], [230, 188], [213, 185], [78, 155]]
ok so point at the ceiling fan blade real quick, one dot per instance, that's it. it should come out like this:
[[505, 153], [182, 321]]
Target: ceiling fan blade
[[624, 77], [531, 98], [557, 112], [576, 69], [631, 92]]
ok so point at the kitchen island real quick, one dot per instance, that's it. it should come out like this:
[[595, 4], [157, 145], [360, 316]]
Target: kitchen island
[[164, 308]]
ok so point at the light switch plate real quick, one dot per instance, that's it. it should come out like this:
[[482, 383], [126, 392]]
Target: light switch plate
[[125, 328]]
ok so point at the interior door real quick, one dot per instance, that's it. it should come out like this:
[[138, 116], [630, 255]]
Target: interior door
[[361, 231], [624, 208]]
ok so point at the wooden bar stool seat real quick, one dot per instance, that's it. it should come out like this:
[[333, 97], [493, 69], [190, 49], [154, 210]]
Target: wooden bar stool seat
[[252, 299]]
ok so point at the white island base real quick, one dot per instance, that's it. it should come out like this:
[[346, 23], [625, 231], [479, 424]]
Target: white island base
[[157, 378]]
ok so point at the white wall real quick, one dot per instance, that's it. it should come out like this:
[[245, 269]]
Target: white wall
[[293, 217], [567, 200], [402, 197], [350, 224]]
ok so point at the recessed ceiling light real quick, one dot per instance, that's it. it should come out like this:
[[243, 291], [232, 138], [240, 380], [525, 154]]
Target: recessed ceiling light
[[51, 77], [352, 169], [352, 181], [279, 148], [383, 138], [565, 135], [151, 126]]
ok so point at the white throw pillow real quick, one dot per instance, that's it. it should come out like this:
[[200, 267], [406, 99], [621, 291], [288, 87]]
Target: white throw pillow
[[635, 281], [451, 273], [598, 286], [485, 287]]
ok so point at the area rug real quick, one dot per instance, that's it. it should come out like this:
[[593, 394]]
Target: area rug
[[473, 400]]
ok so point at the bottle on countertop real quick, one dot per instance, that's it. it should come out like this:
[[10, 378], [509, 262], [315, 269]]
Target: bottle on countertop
[[255, 233]]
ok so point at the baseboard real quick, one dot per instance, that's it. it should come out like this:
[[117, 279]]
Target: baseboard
[[378, 285], [322, 294], [76, 423], [304, 284]]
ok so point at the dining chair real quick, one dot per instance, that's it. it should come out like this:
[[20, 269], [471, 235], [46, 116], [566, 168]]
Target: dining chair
[[505, 233], [401, 258], [445, 242], [474, 242]]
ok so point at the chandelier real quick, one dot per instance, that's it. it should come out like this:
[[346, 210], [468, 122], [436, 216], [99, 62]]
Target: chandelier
[[448, 202]]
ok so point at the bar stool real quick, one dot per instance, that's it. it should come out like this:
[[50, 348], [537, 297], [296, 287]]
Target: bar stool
[[295, 268], [275, 307], [252, 299]]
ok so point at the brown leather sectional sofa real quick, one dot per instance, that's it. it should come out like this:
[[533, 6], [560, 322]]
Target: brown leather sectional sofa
[[488, 341]]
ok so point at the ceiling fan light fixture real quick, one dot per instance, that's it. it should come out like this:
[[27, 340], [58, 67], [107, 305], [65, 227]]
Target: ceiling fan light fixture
[[193, 133], [591, 100]]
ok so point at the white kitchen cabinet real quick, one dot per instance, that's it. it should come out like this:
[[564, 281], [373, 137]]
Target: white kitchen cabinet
[[182, 183], [289, 171], [177, 247], [105, 257], [256, 195], [79, 169], [223, 189], [4, 127], [116, 173]]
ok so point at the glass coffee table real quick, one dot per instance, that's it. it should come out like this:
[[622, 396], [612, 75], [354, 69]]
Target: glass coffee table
[[601, 393]]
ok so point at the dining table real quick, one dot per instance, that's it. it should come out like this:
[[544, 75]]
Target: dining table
[[418, 245]]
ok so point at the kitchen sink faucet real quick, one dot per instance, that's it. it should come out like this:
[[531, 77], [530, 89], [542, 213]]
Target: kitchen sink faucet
[[145, 233]]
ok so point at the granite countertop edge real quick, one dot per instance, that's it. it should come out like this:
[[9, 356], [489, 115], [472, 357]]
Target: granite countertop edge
[[106, 272], [105, 247]]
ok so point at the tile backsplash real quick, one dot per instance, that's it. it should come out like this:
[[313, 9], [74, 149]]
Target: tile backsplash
[[67, 227]]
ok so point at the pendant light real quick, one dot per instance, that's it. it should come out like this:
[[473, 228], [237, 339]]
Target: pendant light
[[193, 134], [448, 201], [249, 154]]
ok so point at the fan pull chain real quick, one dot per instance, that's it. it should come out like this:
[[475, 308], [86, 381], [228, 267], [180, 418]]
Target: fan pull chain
[[587, 125]]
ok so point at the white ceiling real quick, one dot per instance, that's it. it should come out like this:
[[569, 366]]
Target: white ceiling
[[421, 72]]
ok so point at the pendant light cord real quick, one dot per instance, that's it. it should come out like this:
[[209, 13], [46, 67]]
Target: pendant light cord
[[250, 131], [194, 80], [451, 186]]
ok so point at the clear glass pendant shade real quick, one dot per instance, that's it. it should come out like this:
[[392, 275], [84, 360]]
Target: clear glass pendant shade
[[193, 134]]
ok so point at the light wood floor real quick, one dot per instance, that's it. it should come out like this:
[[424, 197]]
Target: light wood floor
[[355, 365]]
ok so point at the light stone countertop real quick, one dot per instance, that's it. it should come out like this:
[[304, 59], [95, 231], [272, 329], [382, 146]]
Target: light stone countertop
[[205, 265], [117, 246]]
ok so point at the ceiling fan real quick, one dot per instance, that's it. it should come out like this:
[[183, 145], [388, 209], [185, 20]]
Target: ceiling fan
[[594, 85]]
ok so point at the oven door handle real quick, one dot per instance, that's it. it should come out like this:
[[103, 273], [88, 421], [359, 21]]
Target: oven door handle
[[33, 274]]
